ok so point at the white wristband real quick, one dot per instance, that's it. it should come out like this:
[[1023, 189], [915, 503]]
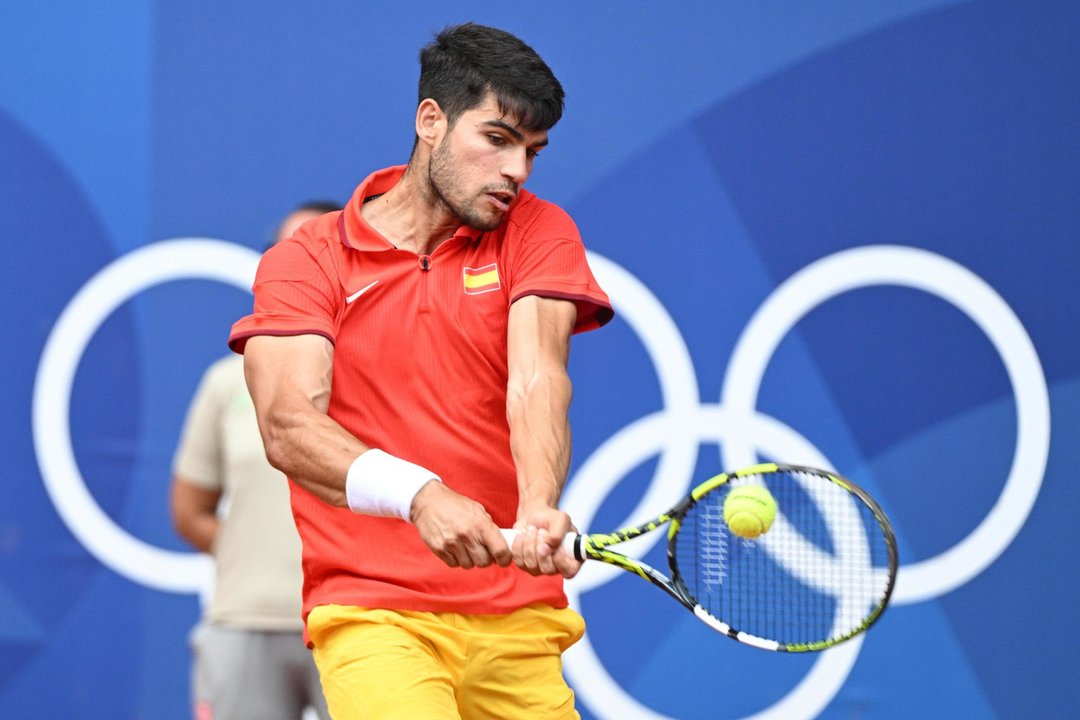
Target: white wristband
[[380, 484]]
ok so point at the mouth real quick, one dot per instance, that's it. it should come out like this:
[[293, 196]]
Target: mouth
[[501, 199]]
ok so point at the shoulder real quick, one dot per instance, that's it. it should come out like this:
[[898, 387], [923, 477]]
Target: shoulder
[[532, 214]]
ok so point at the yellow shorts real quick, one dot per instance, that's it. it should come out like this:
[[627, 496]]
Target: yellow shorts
[[379, 664]]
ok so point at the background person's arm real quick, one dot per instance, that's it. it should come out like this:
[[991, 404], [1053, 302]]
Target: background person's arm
[[198, 470], [194, 513]]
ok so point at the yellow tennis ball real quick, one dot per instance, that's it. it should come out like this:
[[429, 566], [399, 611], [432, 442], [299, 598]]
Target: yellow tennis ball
[[749, 510]]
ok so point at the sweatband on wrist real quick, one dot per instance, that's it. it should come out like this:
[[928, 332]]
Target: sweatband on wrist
[[380, 484]]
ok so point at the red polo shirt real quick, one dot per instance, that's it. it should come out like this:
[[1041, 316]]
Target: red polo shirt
[[420, 371]]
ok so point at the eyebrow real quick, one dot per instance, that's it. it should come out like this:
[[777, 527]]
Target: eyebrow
[[513, 131]]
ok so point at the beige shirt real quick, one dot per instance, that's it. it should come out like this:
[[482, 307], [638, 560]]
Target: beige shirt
[[257, 549]]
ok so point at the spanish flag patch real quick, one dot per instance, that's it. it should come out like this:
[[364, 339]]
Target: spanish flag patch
[[482, 279]]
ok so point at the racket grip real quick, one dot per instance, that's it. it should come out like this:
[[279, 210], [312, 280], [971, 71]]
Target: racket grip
[[570, 541]]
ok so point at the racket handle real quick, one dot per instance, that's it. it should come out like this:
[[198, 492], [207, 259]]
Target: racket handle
[[570, 541]]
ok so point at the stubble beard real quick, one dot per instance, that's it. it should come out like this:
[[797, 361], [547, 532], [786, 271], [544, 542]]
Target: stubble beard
[[443, 184]]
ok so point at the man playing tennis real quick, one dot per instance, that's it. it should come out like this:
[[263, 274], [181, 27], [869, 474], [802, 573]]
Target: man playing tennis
[[407, 359]]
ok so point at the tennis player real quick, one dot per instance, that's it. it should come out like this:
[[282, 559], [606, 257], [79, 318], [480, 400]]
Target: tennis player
[[407, 358]]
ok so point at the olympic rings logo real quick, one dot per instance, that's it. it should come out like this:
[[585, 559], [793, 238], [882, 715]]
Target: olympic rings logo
[[674, 433]]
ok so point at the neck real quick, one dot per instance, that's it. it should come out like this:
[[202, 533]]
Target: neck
[[410, 216]]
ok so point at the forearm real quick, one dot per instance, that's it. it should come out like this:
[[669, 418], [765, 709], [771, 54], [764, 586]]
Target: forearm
[[312, 449], [540, 444], [194, 513], [537, 410], [199, 531]]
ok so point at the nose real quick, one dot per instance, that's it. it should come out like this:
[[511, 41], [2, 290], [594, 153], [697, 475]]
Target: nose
[[516, 166]]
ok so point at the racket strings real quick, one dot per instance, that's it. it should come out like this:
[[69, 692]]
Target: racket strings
[[818, 575], [711, 548]]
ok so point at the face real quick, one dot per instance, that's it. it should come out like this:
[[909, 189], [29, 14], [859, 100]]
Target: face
[[480, 164]]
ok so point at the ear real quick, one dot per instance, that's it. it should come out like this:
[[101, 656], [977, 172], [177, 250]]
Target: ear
[[430, 122]]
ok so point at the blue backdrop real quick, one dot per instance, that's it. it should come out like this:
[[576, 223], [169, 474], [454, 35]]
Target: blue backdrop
[[841, 232]]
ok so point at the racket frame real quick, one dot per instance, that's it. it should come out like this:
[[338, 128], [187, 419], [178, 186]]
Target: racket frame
[[594, 546]]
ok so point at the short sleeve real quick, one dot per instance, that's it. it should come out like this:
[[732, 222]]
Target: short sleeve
[[198, 457], [295, 294], [550, 261]]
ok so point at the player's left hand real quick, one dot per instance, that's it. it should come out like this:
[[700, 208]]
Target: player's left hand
[[538, 547]]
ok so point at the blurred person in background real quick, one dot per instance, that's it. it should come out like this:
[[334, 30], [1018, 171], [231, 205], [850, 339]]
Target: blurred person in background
[[250, 661]]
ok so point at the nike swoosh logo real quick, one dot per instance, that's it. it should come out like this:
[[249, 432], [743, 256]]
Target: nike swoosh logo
[[360, 292]]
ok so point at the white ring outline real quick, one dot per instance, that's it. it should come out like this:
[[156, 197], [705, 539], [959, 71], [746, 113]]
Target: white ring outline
[[874, 265], [107, 290]]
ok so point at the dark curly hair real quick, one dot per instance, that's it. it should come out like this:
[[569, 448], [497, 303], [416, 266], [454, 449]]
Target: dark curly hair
[[466, 62]]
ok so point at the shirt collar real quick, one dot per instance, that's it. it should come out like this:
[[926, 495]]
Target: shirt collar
[[355, 231]]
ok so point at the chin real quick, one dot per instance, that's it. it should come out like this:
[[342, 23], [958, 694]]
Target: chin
[[483, 224], [489, 226]]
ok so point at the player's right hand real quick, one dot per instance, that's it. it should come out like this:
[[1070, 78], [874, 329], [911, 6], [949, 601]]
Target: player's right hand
[[458, 529]]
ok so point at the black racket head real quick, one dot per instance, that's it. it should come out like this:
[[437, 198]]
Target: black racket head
[[823, 573]]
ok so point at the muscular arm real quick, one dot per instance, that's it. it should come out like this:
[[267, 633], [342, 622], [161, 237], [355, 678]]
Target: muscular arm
[[537, 407], [289, 380]]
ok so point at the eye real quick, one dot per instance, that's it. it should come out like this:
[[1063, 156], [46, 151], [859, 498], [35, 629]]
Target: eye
[[497, 140], [531, 153]]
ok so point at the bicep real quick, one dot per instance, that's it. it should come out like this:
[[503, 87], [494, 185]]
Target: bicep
[[288, 371], [538, 336]]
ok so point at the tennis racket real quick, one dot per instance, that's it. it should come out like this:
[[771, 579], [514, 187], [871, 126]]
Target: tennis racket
[[822, 574]]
